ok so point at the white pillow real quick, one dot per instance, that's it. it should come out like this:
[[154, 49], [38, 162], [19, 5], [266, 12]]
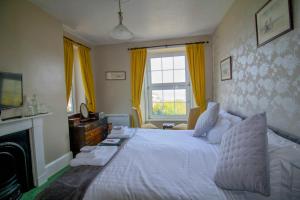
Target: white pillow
[[206, 121], [284, 174], [216, 133], [279, 142], [210, 104], [232, 118]]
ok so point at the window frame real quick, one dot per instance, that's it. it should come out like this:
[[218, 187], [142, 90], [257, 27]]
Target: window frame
[[164, 86]]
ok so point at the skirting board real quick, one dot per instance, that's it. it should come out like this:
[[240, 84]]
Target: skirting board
[[58, 164]]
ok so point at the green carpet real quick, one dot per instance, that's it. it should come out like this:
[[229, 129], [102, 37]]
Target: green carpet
[[30, 195]]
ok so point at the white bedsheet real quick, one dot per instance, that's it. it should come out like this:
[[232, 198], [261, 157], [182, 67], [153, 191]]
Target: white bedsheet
[[161, 164]]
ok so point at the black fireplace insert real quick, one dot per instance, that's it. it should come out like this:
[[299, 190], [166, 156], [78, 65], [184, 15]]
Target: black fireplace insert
[[16, 167]]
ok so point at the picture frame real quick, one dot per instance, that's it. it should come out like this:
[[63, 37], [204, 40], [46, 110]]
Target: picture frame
[[226, 69], [115, 75], [273, 20]]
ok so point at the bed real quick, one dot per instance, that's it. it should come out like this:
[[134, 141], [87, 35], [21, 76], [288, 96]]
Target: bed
[[168, 165]]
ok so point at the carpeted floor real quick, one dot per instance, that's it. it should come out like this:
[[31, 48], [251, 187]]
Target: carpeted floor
[[30, 195]]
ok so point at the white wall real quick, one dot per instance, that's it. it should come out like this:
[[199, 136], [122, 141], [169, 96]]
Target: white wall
[[32, 44], [114, 96]]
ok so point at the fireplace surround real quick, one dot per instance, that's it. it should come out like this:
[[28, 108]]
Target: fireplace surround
[[21, 144]]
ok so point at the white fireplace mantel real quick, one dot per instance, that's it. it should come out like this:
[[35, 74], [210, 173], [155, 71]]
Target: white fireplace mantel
[[35, 126]]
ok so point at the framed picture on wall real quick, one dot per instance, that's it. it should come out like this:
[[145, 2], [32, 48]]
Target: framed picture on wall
[[226, 69], [115, 75], [273, 20]]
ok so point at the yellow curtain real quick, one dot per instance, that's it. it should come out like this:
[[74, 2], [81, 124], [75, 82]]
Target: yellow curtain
[[196, 60], [138, 61], [69, 59], [87, 77]]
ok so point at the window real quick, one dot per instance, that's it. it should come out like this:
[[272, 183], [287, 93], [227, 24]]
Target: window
[[77, 95], [70, 106], [167, 86]]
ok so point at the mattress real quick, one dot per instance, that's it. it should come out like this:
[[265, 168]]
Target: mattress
[[162, 164]]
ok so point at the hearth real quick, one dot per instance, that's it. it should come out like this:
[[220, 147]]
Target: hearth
[[16, 166]]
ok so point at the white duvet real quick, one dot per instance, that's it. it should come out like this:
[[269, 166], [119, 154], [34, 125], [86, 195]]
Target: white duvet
[[162, 165]]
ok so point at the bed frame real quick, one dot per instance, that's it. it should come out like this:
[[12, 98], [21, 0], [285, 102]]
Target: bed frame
[[279, 132]]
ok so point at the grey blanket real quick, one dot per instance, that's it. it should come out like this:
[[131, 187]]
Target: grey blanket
[[71, 185]]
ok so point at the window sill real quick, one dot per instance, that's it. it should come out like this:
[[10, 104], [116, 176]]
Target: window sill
[[166, 120]]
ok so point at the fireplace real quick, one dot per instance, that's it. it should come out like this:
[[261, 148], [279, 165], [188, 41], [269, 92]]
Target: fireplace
[[16, 165], [22, 161]]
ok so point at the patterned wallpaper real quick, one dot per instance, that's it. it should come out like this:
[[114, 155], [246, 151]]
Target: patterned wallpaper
[[265, 78]]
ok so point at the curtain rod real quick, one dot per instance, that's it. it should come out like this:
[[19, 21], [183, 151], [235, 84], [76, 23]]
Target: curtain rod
[[76, 42], [168, 45]]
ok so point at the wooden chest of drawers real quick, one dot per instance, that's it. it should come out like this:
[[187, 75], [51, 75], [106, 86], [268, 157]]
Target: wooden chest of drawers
[[87, 133]]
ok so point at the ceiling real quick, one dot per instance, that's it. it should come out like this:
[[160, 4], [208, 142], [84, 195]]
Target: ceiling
[[93, 20]]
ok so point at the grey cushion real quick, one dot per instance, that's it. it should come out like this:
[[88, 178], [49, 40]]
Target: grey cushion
[[243, 162], [206, 120]]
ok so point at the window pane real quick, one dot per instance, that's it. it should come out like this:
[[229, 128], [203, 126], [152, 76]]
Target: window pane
[[179, 62], [180, 102], [179, 75], [156, 77], [180, 95], [70, 106], [168, 95], [157, 108], [167, 63], [155, 64], [168, 76], [169, 108], [180, 108], [157, 96]]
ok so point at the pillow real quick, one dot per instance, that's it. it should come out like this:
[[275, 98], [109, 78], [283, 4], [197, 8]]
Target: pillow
[[232, 118], [216, 133], [210, 104], [243, 161], [206, 121], [284, 174], [278, 142]]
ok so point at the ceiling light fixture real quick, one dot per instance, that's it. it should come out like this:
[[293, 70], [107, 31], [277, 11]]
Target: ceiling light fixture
[[121, 32]]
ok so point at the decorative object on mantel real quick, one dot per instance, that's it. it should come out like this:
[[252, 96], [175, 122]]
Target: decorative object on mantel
[[273, 20], [13, 104], [11, 95], [115, 75], [226, 69], [32, 106]]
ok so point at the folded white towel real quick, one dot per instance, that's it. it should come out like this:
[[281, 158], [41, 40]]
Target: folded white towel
[[102, 155], [121, 131], [91, 154], [127, 134], [88, 148]]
